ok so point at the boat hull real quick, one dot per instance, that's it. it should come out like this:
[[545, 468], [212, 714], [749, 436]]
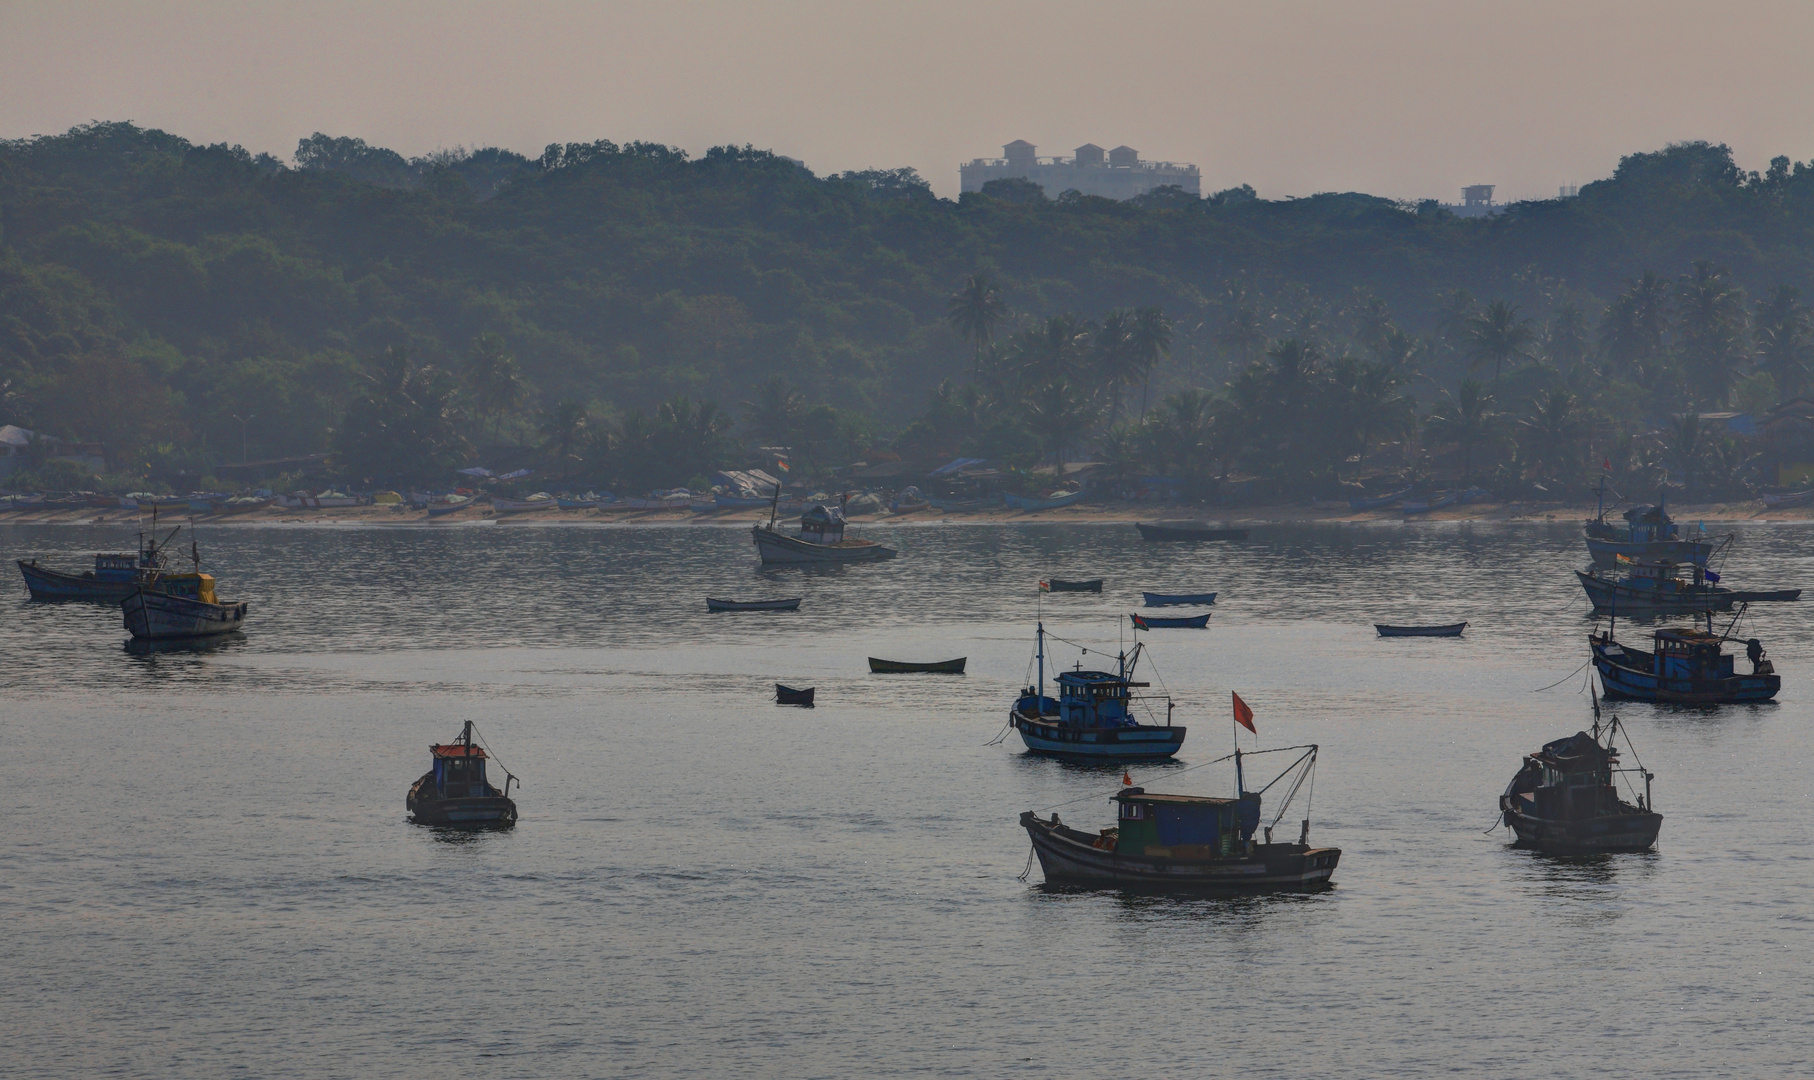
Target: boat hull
[[1135, 743], [1605, 553], [1450, 630], [480, 812], [1612, 597], [1634, 684], [792, 604], [1094, 585], [787, 695], [1154, 599], [153, 616], [903, 667], [1187, 622], [1021, 502], [1162, 531], [48, 584], [1069, 857], [776, 549], [1608, 833]]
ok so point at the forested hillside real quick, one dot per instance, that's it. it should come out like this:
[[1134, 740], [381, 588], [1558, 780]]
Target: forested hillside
[[622, 308]]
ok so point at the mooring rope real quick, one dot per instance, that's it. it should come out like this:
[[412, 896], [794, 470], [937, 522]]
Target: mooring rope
[[1564, 678]]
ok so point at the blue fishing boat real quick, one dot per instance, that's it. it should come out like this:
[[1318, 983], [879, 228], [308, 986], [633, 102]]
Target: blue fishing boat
[[1655, 588], [1378, 501], [1091, 719], [1686, 666], [1649, 535], [113, 578], [1189, 599], [1022, 502], [1183, 622]]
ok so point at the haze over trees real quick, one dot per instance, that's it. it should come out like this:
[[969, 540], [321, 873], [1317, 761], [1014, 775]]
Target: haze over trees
[[625, 314]]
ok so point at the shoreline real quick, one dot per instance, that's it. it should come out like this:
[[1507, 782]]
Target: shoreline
[[1109, 514]]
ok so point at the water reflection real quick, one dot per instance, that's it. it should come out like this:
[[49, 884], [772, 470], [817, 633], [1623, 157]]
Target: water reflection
[[193, 646]]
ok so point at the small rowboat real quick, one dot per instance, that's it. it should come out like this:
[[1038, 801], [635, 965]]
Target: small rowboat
[[1185, 622], [1093, 585], [1021, 502], [451, 507], [1189, 599], [787, 695], [523, 506], [899, 667], [1186, 530], [1793, 498], [792, 604], [1446, 630]]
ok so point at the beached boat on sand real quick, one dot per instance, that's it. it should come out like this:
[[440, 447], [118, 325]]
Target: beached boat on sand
[[1054, 502]]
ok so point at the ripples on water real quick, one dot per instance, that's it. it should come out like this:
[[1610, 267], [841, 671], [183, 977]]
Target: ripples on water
[[208, 870]]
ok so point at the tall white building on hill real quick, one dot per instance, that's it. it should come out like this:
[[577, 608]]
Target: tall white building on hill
[[1113, 174]]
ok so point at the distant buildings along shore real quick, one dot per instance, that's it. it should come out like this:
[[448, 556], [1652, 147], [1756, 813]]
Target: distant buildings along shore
[[1091, 170]]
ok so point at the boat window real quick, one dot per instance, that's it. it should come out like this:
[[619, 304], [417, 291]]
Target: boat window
[[1132, 811]]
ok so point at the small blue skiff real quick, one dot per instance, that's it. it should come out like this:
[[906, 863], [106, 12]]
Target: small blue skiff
[[1189, 599]]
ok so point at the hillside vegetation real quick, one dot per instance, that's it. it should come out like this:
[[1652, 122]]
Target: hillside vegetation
[[631, 315]]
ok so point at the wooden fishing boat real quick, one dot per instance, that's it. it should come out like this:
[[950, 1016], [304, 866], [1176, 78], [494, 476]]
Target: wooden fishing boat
[[1182, 622], [1092, 717], [1093, 585], [1444, 630], [523, 506], [787, 695], [1183, 843], [821, 540], [113, 578], [451, 506], [1788, 499], [1565, 798], [1192, 599], [1653, 588], [790, 604], [1023, 502], [1685, 666], [168, 605], [1649, 535], [455, 791], [902, 667], [1175, 531], [1377, 502]]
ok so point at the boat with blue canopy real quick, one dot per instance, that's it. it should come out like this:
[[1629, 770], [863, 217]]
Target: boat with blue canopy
[[1648, 535], [1092, 718], [1686, 666]]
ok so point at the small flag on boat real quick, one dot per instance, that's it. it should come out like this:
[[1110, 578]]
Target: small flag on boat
[[1127, 778], [1621, 557], [1045, 586], [1606, 463], [781, 464], [1711, 576], [1244, 715]]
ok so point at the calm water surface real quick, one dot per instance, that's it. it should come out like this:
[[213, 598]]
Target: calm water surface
[[208, 871]]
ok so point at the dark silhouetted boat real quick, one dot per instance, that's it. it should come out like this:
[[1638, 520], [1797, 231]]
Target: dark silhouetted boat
[[113, 578], [1565, 798], [1186, 530], [1185, 843], [455, 791], [1182, 622], [821, 540], [1056, 585], [787, 695], [903, 667], [169, 605], [1445, 630], [1092, 718], [1194, 599], [789, 604], [1649, 535], [1655, 588]]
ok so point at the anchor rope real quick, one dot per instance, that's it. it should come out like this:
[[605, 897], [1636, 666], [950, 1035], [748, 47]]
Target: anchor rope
[[1564, 678]]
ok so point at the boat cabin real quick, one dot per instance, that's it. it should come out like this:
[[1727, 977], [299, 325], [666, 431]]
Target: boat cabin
[[1691, 654], [822, 525], [1184, 826], [1569, 778], [116, 567], [460, 772], [189, 586], [1646, 524], [1094, 699]]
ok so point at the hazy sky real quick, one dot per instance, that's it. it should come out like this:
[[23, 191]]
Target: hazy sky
[[1394, 98]]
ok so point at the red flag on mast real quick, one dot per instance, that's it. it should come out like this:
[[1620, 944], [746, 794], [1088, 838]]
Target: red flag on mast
[[1244, 715]]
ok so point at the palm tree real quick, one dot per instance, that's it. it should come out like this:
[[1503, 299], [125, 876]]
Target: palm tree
[[973, 312], [1465, 419], [1554, 430], [1783, 337], [1711, 328], [1060, 412], [1054, 349], [1376, 407], [1497, 335], [493, 379], [1113, 350], [563, 428], [1685, 444], [1150, 340], [774, 414], [1631, 331]]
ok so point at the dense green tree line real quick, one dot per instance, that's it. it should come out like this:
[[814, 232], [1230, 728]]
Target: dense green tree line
[[598, 302]]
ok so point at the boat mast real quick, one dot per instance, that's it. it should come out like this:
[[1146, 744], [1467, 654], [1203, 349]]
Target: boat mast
[[1039, 703]]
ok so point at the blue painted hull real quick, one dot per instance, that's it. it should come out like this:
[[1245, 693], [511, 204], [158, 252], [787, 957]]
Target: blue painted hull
[[1134, 743], [1605, 553], [1634, 684], [1020, 502], [48, 584]]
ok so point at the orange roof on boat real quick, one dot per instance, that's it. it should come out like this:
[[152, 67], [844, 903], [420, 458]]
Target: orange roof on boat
[[455, 750]]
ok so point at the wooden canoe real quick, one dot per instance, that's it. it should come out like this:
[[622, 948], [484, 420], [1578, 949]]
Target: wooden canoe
[[1194, 599], [1445, 630], [787, 695], [789, 604], [897, 667], [1093, 585], [1185, 622]]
